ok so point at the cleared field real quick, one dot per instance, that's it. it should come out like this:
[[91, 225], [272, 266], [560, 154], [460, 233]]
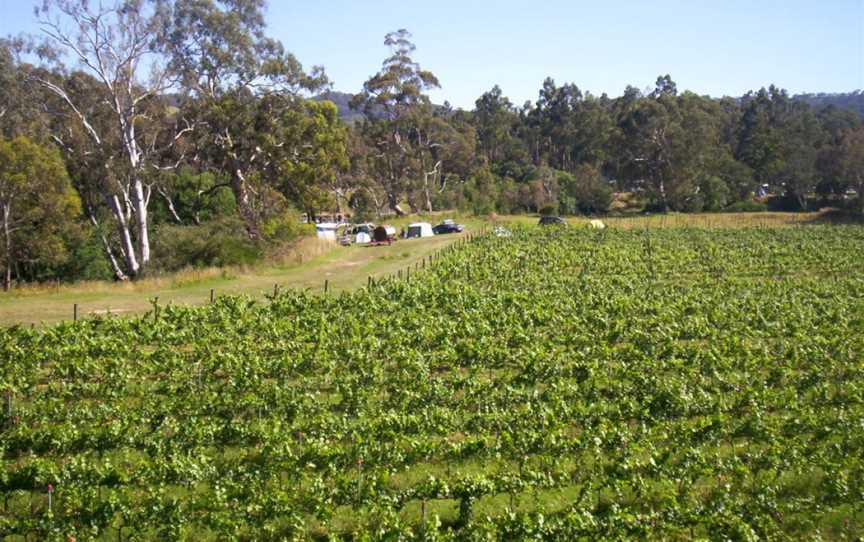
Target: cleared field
[[676, 383], [307, 267], [343, 268]]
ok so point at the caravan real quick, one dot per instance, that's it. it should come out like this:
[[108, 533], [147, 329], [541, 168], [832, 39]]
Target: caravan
[[420, 229]]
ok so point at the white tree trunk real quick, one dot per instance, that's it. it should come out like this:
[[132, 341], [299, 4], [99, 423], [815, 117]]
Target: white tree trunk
[[127, 247], [140, 200], [7, 247]]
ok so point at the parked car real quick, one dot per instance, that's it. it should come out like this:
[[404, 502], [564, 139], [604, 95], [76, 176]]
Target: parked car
[[552, 221], [448, 226]]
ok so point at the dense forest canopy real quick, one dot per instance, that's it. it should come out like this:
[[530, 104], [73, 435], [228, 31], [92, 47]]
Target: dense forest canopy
[[179, 134]]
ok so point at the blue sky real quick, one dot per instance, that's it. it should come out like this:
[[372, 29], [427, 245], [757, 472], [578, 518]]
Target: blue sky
[[720, 47]]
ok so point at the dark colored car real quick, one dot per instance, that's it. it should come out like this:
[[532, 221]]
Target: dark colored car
[[447, 227], [552, 221]]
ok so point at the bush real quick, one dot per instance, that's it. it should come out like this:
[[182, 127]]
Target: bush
[[88, 261], [480, 193], [747, 206], [286, 226], [214, 244], [715, 194], [585, 191]]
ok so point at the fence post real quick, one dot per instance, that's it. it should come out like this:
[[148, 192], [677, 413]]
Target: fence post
[[75, 312], [275, 290], [212, 295], [326, 285]]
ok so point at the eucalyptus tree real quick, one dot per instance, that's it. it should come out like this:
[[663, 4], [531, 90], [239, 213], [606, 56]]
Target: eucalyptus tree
[[398, 124], [37, 205], [851, 163], [494, 117], [779, 139], [233, 76], [18, 113], [670, 145], [312, 154], [644, 144], [118, 45]]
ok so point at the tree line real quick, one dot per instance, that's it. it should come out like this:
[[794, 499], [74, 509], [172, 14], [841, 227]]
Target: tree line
[[149, 135]]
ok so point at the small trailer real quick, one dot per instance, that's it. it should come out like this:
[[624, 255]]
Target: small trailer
[[420, 229]]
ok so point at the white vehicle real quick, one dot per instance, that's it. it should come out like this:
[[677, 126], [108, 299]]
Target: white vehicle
[[420, 229], [326, 230]]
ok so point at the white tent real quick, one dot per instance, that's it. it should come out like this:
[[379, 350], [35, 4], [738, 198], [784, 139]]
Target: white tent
[[420, 229], [362, 238], [326, 230]]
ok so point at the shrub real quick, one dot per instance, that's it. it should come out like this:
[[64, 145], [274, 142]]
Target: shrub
[[715, 193], [286, 226], [214, 244], [585, 191]]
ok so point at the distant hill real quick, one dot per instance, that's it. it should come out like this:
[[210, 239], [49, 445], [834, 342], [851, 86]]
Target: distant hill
[[853, 101], [343, 102]]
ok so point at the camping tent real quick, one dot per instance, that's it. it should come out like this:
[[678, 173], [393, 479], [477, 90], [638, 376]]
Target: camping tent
[[326, 230], [362, 238], [420, 229]]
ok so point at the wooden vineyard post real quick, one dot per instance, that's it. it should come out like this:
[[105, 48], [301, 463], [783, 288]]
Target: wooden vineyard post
[[275, 290], [75, 312], [212, 295], [326, 285]]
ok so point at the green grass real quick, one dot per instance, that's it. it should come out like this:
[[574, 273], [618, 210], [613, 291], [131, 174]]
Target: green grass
[[343, 268]]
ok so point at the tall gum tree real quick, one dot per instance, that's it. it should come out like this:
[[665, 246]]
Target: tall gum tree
[[37, 203], [398, 114], [118, 45], [231, 74]]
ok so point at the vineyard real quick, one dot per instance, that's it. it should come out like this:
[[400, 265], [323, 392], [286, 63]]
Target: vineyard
[[676, 384]]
